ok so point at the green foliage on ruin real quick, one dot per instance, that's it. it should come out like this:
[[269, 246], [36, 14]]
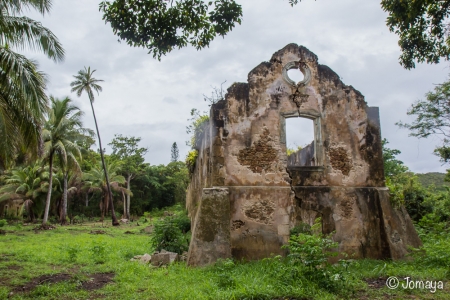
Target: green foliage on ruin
[[290, 151], [196, 128], [191, 158]]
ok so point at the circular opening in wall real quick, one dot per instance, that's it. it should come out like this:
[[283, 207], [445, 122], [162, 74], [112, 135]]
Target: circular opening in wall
[[295, 75]]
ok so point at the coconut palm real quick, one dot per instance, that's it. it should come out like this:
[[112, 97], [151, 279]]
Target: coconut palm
[[60, 134], [95, 180], [84, 82], [29, 184], [23, 101], [71, 169]]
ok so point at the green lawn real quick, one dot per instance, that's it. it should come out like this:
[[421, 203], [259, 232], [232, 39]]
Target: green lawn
[[71, 263]]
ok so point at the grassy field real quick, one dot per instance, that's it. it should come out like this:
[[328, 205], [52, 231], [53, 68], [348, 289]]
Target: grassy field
[[92, 261]]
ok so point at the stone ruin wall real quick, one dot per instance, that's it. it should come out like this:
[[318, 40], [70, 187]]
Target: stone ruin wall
[[244, 197]]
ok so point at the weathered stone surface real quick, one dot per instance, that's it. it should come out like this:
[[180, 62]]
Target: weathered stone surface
[[145, 258], [211, 230], [148, 229], [183, 256], [339, 176], [142, 258], [160, 259], [172, 256]]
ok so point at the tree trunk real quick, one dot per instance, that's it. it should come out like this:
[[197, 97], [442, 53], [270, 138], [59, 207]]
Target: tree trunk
[[106, 203], [87, 199], [113, 214], [124, 206], [49, 193], [64, 202], [128, 197], [102, 209]]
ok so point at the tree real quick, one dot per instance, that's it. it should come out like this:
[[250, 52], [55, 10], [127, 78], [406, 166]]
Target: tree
[[161, 26], [59, 135], [23, 102], [422, 27], [96, 181], [86, 83], [392, 166], [432, 118], [132, 157], [29, 183], [72, 167], [174, 152]]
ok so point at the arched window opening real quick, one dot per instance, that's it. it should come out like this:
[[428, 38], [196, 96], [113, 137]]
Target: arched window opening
[[300, 143]]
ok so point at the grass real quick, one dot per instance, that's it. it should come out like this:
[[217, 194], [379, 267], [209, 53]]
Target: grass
[[26, 256]]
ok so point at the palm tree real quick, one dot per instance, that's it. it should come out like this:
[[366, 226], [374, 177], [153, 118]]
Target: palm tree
[[95, 180], [72, 167], [86, 83], [29, 184], [60, 133], [23, 101]]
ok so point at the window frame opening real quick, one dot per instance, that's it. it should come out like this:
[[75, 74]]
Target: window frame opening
[[317, 141]]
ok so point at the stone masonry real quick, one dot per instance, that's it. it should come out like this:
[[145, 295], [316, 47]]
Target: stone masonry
[[246, 193]]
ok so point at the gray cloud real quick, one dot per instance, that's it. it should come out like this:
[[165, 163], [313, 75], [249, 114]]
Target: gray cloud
[[151, 99]]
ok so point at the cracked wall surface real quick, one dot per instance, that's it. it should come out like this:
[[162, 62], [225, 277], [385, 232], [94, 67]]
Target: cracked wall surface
[[338, 177]]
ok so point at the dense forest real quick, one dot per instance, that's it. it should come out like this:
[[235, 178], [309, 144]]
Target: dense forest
[[78, 182]]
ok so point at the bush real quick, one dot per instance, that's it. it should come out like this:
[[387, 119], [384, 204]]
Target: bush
[[435, 251], [311, 250], [183, 222], [3, 223], [301, 228], [168, 236]]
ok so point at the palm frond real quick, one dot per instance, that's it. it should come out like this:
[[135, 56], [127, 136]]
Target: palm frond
[[25, 33]]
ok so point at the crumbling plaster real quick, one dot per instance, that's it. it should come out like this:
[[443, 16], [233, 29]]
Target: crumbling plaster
[[243, 150]]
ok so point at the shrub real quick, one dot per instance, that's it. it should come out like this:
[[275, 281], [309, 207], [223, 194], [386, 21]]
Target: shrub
[[183, 222], [3, 223], [168, 236], [311, 250], [396, 193], [301, 228]]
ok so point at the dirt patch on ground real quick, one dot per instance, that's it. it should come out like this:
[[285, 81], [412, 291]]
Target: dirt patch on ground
[[5, 257], [44, 279], [14, 268], [97, 281], [94, 282], [97, 232], [44, 227], [376, 283]]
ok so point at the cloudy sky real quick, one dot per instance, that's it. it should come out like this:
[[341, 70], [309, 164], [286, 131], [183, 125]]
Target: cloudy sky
[[152, 99]]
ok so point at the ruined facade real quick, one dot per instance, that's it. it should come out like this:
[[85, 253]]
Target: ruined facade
[[246, 193]]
